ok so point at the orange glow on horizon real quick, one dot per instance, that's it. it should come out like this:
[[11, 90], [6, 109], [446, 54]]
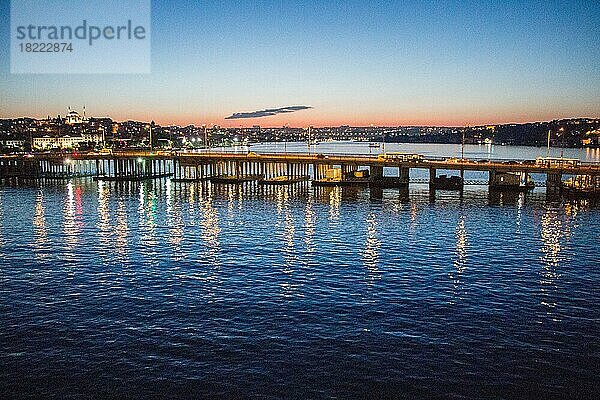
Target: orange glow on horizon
[[280, 121], [305, 118]]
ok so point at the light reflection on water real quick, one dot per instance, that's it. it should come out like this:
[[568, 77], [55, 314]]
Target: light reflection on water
[[2, 213], [289, 231], [104, 227], [40, 230], [175, 224], [210, 230], [460, 258], [309, 223], [121, 231], [554, 230], [72, 221], [371, 250], [211, 280], [335, 198]]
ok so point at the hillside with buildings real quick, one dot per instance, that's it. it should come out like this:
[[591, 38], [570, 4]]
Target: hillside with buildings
[[77, 131]]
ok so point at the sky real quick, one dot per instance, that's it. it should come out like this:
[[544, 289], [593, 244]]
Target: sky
[[450, 63]]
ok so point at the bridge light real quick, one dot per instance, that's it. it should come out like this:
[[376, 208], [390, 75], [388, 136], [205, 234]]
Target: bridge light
[[67, 161]]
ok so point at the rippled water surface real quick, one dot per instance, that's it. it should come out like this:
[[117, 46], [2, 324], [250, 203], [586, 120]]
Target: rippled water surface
[[158, 289]]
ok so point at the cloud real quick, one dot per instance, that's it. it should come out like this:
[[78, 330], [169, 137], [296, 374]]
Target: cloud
[[267, 112]]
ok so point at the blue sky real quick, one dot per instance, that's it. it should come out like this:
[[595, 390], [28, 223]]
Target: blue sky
[[354, 62]]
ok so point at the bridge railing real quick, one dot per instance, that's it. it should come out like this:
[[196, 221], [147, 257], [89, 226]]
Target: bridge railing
[[313, 156]]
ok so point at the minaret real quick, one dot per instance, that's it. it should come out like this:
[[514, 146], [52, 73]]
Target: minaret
[[84, 112]]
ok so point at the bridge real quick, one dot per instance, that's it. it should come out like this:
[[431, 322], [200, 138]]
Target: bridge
[[288, 168]]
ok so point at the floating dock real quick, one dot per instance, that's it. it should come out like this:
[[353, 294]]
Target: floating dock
[[444, 182], [284, 180], [341, 182], [235, 178], [189, 180]]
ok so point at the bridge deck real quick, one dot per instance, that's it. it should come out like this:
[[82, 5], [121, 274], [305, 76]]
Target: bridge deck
[[328, 159]]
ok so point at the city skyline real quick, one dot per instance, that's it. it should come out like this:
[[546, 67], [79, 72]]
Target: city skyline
[[255, 122], [390, 64]]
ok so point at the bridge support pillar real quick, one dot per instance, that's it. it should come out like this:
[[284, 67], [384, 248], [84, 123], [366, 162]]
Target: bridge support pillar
[[376, 172], [403, 176], [348, 170], [554, 182], [491, 178], [432, 174]]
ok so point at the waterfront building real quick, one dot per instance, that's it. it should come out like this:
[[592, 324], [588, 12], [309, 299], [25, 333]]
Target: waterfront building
[[66, 142]]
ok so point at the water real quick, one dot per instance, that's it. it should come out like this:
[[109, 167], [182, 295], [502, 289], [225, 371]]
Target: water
[[474, 152], [158, 289]]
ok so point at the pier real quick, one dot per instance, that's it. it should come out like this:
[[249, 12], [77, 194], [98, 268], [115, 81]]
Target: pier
[[291, 168]]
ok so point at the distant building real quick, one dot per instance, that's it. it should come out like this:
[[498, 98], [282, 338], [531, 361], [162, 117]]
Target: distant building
[[592, 138], [66, 142], [92, 137], [12, 143], [74, 118]]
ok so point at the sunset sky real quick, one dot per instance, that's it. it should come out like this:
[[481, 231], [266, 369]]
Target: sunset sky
[[353, 63]]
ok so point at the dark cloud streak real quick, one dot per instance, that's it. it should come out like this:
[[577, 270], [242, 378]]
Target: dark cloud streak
[[267, 112]]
